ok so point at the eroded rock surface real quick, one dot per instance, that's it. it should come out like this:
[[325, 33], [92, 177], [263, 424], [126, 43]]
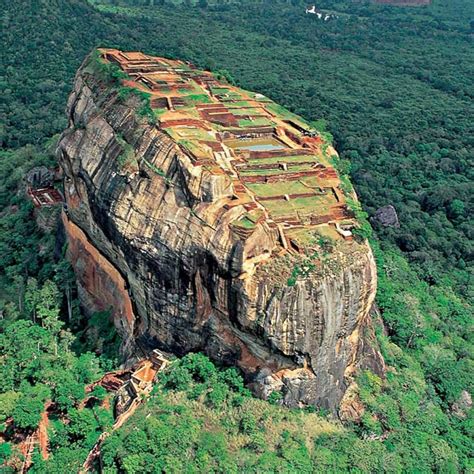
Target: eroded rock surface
[[154, 237]]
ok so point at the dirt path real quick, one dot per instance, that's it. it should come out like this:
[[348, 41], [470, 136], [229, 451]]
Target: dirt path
[[43, 440]]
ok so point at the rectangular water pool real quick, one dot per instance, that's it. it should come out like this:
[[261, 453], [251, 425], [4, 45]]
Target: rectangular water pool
[[257, 145]]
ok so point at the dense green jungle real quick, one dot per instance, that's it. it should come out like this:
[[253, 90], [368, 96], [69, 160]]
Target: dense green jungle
[[394, 88]]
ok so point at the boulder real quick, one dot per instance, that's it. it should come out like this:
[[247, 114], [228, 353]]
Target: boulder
[[386, 216]]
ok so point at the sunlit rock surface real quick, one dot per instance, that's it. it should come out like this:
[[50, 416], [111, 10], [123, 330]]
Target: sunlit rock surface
[[205, 231]]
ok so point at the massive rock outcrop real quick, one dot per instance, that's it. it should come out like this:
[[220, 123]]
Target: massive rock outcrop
[[195, 247]]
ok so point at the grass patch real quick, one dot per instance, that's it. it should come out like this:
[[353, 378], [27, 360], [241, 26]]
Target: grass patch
[[277, 189], [318, 205], [191, 146], [246, 111], [257, 122], [284, 113], [192, 134], [275, 172], [159, 112], [285, 187], [245, 223], [220, 90], [236, 104], [284, 159], [197, 99]]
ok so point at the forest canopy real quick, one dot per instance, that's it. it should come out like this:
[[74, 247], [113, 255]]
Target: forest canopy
[[394, 87]]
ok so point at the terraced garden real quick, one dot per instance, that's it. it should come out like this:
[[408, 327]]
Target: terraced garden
[[277, 158]]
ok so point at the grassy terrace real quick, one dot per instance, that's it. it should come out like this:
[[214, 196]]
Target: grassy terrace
[[221, 90], [190, 89], [245, 222], [194, 99], [256, 122], [283, 159], [192, 134], [302, 206], [304, 185], [247, 111], [231, 103], [192, 146], [242, 111], [285, 114], [274, 171], [228, 93], [256, 144]]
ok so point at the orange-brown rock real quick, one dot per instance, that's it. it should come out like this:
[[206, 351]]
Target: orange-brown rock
[[100, 285]]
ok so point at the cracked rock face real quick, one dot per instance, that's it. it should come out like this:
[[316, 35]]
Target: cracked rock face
[[154, 243]]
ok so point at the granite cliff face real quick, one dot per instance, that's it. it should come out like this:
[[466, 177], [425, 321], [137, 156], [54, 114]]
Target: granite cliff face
[[192, 254]]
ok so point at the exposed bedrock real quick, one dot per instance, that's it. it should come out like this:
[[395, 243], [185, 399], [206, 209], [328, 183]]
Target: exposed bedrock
[[154, 242]]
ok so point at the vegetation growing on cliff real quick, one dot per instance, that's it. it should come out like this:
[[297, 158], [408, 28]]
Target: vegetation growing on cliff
[[114, 77], [127, 156], [396, 89]]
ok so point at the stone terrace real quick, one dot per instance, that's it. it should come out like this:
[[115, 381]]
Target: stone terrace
[[275, 160]]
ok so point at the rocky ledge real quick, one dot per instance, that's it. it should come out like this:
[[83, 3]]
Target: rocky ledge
[[208, 218]]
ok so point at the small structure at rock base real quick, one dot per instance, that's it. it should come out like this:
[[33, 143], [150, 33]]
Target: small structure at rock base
[[45, 196], [40, 187], [128, 398], [143, 378], [344, 230], [40, 177]]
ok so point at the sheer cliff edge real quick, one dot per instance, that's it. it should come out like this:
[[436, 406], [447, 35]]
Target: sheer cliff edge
[[208, 218]]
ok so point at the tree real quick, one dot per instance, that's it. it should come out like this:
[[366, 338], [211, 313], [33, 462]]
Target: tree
[[5, 452], [48, 311], [8, 401], [65, 279], [32, 297], [217, 395], [27, 412], [68, 392], [82, 423]]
